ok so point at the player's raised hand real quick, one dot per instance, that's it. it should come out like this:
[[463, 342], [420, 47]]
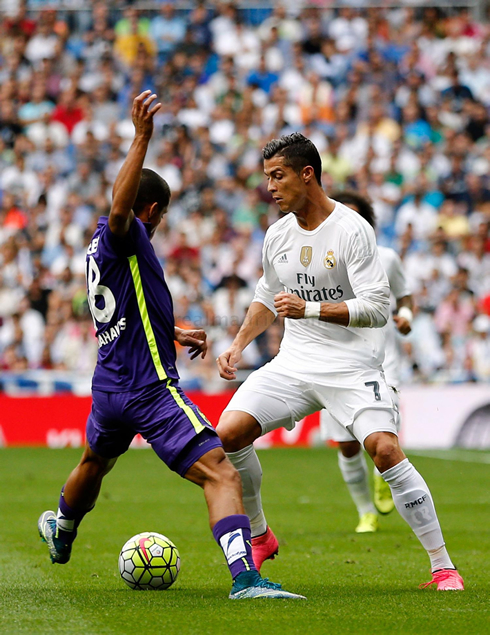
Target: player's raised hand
[[402, 324], [195, 339], [289, 305], [143, 113], [227, 362]]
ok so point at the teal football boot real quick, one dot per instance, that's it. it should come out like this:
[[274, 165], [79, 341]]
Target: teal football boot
[[249, 584], [59, 551]]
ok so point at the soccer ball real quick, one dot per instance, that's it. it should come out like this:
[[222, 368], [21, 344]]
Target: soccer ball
[[149, 561]]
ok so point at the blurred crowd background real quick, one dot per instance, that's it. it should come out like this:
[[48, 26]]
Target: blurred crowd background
[[396, 99]]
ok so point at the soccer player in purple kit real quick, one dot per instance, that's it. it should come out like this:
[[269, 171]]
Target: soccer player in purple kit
[[135, 385]]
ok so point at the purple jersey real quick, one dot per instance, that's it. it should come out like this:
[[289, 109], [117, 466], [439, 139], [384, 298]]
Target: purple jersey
[[132, 310]]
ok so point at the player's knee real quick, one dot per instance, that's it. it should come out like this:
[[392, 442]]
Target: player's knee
[[237, 430], [229, 434], [386, 453], [349, 448], [229, 440]]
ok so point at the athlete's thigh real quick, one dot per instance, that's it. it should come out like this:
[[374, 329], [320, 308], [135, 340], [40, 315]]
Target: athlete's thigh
[[345, 395], [274, 399], [177, 430], [374, 421], [107, 435], [332, 430]]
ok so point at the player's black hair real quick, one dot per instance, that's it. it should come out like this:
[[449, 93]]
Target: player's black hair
[[152, 189], [362, 204], [297, 151]]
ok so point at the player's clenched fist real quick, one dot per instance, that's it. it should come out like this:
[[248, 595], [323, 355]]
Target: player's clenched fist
[[227, 362], [142, 114], [402, 324], [289, 305]]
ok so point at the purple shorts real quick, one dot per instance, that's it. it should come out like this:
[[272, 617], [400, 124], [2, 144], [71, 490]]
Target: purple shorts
[[174, 426]]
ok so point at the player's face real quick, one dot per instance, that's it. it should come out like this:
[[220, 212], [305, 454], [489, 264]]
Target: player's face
[[287, 187]]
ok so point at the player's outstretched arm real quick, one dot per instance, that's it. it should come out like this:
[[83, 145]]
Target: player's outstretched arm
[[257, 320], [127, 181]]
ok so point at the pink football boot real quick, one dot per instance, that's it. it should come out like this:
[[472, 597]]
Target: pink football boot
[[446, 580], [264, 547]]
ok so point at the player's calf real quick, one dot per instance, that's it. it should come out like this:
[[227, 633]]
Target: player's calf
[[83, 486], [231, 527]]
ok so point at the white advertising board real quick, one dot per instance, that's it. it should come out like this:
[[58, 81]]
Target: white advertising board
[[441, 417]]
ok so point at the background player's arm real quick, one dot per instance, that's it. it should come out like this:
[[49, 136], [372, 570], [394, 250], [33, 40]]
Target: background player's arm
[[402, 320], [128, 180], [401, 291]]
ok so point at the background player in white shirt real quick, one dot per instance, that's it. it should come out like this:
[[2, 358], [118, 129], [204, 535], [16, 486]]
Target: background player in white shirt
[[322, 273], [352, 463]]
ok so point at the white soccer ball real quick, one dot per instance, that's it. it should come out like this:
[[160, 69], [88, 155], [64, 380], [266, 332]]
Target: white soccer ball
[[149, 561]]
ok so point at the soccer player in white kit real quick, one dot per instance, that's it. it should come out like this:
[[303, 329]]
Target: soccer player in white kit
[[352, 463], [322, 273]]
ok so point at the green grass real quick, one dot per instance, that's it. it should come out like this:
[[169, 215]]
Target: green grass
[[354, 584]]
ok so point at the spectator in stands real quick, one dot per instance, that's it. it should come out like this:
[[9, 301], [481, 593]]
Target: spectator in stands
[[421, 216], [396, 103]]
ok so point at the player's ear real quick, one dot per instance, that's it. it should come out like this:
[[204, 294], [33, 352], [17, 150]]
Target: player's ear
[[153, 211], [308, 174]]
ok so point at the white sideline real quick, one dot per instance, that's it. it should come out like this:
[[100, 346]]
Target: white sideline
[[464, 456]]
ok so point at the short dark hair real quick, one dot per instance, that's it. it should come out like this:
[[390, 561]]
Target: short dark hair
[[297, 151], [152, 189], [362, 203]]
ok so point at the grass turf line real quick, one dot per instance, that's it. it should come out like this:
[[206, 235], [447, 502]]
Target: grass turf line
[[354, 584]]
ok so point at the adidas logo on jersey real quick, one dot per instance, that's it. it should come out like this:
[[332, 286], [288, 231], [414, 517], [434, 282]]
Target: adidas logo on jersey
[[283, 259]]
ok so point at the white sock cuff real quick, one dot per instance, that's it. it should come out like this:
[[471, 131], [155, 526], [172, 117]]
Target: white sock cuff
[[352, 462], [353, 468], [241, 456], [398, 473]]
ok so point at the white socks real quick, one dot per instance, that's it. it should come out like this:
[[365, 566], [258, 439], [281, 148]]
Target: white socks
[[413, 501], [247, 463], [355, 474]]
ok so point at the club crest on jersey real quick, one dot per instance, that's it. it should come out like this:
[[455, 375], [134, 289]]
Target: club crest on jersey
[[330, 260], [305, 256]]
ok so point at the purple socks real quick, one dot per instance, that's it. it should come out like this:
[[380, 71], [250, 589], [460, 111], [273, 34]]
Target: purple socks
[[67, 520], [233, 535]]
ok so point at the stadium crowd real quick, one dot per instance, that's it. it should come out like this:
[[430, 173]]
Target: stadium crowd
[[397, 101]]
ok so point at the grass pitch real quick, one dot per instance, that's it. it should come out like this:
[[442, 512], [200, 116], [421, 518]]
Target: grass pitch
[[354, 584]]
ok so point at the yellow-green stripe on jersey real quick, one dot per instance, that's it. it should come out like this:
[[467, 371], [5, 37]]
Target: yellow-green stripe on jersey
[[152, 345], [145, 318]]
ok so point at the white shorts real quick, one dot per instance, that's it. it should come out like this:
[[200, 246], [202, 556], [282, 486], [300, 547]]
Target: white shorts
[[277, 399], [331, 430]]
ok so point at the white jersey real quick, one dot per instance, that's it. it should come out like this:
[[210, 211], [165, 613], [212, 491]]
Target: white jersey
[[399, 289], [336, 262]]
